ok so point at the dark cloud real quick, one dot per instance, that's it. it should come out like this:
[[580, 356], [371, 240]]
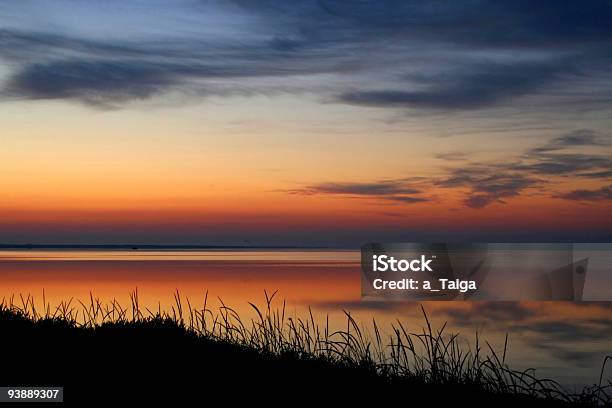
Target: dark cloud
[[601, 194], [444, 56], [493, 181], [109, 82], [580, 137], [97, 72], [567, 39], [407, 199], [560, 163], [89, 81], [487, 184], [386, 187], [391, 190], [604, 174], [480, 86], [551, 159], [480, 200], [517, 22]]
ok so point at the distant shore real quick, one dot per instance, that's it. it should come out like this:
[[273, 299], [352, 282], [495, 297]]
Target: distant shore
[[131, 247]]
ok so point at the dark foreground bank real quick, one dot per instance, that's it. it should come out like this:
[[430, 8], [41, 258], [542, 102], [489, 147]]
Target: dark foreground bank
[[112, 358]]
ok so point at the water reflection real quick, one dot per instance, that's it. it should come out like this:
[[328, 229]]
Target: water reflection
[[564, 340]]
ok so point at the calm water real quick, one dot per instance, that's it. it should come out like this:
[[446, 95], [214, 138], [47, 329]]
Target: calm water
[[565, 341]]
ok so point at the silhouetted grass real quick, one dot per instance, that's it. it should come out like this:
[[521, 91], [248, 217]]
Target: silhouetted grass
[[427, 357]]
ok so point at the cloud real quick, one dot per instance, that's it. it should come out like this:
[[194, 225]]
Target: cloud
[[385, 187], [478, 85], [517, 23], [601, 194], [487, 184], [103, 72], [24, 46], [580, 137], [479, 200], [113, 82], [551, 159], [517, 56], [495, 181], [390, 190], [410, 54], [407, 199], [604, 174], [90, 81], [491, 182], [560, 163]]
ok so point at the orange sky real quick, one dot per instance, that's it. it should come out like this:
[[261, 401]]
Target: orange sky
[[297, 155]]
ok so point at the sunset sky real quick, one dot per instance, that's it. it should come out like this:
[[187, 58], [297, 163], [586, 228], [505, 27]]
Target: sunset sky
[[305, 122]]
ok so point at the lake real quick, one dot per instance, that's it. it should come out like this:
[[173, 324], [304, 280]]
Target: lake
[[564, 341]]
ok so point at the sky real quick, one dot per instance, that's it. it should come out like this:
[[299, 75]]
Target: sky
[[305, 122]]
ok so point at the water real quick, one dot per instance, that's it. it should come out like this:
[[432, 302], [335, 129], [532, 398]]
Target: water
[[562, 340]]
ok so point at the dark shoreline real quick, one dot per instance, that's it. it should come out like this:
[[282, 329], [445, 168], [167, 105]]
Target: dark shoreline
[[158, 358], [107, 353]]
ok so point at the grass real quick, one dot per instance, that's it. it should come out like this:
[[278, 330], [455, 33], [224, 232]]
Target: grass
[[274, 346]]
